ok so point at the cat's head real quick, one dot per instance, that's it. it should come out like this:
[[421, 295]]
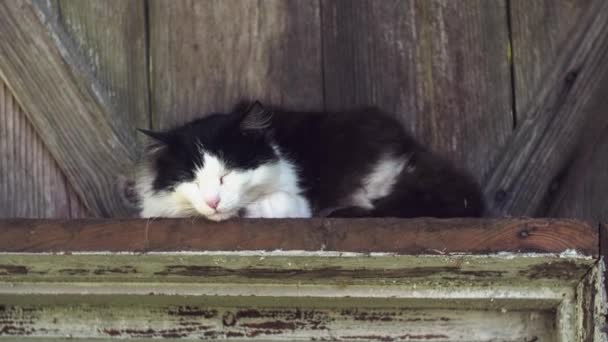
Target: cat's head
[[212, 167]]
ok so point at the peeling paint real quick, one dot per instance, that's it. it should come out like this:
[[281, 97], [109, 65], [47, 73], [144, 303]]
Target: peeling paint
[[405, 324]]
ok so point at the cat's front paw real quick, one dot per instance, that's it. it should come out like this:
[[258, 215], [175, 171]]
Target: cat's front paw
[[279, 205]]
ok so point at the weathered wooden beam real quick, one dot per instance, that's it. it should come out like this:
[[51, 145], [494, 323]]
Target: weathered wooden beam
[[540, 30], [111, 36], [553, 122], [592, 306], [198, 320], [409, 237], [31, 183], [66, 105], [367, 279], [580, 191]]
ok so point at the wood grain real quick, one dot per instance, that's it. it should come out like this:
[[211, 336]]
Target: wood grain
[[35, 57], [545, 141], [111, 36], [440, 66], [407, 237], [286, 323], [580, 191], [540, 31], [593, 320], [31, 184], [207, 55], [71, 235]]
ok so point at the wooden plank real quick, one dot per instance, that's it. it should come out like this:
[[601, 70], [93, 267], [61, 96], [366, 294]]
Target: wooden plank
[[237, 290], [31, 184], [325, 294], [540, 31], [203, 322], [228, 273], [37, 55], [546, 140], [207, 55], [411, 237], [592, 306], [440, 66], [111, 35], [579, 191]]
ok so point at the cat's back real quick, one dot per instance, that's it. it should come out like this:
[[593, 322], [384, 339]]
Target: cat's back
[[336, 152], [366, 126]]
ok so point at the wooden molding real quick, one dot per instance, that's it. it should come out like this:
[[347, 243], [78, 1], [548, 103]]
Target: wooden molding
[[338, 279], [65, 104], [406, 237], [544, 141]]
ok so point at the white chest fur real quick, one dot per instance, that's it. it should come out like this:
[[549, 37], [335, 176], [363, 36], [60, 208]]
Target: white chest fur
[[380, 181], [279, 204]]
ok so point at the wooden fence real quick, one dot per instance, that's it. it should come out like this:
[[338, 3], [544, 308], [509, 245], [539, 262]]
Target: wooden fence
[[513, 90]]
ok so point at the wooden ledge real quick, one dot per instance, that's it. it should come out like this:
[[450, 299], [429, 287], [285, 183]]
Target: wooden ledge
[[233, 294], [400, 236]]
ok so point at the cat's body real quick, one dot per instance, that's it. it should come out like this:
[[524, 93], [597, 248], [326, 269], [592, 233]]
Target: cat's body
[[271, 163]]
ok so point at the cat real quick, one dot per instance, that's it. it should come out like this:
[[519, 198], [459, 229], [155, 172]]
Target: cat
[[272, 163]]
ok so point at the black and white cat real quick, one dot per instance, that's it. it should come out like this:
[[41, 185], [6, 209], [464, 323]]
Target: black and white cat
[[261, 162]]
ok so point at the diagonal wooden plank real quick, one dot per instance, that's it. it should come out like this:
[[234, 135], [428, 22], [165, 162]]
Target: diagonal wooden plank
[[66, 105], [440, 66], [540, 30], [207, 55], [545, 140], [111, 36], [580, 189], [31, 184]]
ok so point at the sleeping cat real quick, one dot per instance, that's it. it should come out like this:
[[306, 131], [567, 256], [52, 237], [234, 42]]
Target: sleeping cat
[[262, 162]]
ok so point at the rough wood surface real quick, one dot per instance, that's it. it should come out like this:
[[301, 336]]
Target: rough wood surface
[[31, 184], [440, 66], [206, 55], [580, 191], [111, 36], [35, 57], [544, 142], [203, 273], [202, 322], [416, 236], [592, 305], [540, 31], [239, 286]]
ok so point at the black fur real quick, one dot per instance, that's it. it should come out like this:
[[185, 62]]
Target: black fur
[[177, 150], [333, 152]]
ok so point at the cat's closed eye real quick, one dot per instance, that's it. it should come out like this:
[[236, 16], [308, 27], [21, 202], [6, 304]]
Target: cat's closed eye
[[222, 177]]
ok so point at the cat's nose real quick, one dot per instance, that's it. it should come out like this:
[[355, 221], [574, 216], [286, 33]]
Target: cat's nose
[[213, 202]]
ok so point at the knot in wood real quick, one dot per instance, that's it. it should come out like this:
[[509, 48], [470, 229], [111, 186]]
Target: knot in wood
[[571, 77]]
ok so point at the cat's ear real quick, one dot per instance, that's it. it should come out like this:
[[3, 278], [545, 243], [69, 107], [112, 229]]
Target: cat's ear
[[161, 137], [256, 117]]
